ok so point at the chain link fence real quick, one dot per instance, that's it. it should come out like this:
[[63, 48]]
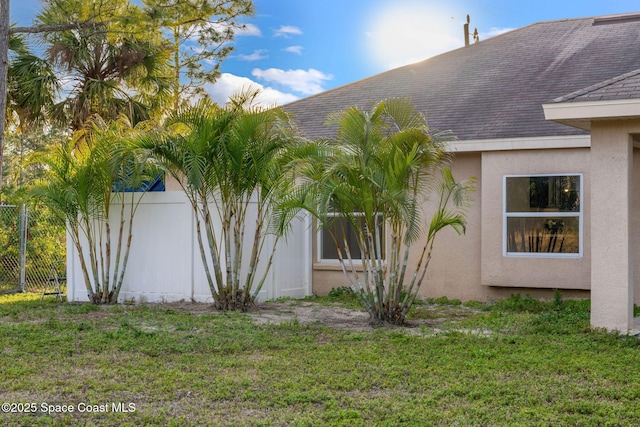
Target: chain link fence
[[32, 239], [10, 248]]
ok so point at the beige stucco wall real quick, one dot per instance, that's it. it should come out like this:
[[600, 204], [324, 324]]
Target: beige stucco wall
[[614, 234], [472, 267], [635, 237], [455, 267], [522, 271]]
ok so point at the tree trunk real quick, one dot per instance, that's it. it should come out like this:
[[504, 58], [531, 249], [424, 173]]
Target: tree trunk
[[4, 66]]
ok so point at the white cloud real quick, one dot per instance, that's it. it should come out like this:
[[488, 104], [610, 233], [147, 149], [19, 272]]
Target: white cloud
[[255, 56], [228, 84], [406, 32], [248, 30], [287, 31], [307, 82], [294, 49]]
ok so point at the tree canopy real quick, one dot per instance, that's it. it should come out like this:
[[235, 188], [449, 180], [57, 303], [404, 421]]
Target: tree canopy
[[140, 59], [198, 33]]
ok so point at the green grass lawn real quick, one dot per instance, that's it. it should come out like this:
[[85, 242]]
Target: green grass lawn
[[517, 362]]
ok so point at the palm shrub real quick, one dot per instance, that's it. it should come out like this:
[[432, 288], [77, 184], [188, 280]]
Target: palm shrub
[[89, 183], [228, 162], [375, 176]]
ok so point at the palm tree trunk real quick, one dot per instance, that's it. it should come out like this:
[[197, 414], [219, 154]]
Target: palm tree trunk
[[93, 259], [227, 285], [416, 282], [360, 286], [106, 286], [83, 263], [238, 236], [257, 290], [214, 252], [392, 267], [99, 231], [403, 267], [203, 254], [118, 286], [116, 269], [244, 206], [255, 257], [120, 269]]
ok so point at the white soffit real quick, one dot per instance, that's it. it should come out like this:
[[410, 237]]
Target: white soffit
[[580, 114], [535, 143]]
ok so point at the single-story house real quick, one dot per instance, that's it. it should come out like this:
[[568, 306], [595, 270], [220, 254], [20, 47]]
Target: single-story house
[[548, 121]]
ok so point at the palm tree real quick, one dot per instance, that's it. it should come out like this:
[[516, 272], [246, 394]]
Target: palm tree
[[371, 180], [227, 160], [112, 68], [105, 77], [32, 88], [89, 183]]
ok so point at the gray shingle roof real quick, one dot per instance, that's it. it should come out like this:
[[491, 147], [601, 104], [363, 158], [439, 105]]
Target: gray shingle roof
[[626, 86], [496, 88]]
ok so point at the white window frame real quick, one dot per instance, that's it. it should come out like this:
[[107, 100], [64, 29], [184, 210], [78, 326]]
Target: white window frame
[[336, 261], [579, 215]]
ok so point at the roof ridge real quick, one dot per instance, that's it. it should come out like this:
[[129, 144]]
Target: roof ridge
[[611, 17], [596, 86]]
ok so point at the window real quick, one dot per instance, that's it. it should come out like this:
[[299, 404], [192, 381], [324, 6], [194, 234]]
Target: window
[[543, 215], [156, 184], [341, 227]]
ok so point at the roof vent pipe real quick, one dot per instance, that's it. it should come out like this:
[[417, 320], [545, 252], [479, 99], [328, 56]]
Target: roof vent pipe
[[476, 37], [466, 31]]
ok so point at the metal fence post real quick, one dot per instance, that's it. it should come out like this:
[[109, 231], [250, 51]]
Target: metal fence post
[[24, 224]]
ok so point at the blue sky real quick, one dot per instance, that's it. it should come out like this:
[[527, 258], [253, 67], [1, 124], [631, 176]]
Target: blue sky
[[292, 49]]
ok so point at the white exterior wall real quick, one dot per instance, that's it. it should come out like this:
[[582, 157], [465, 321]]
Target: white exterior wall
[[165, 264]]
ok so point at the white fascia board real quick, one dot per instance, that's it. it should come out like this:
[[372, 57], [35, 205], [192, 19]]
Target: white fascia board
[[535, 143], [579, 112]]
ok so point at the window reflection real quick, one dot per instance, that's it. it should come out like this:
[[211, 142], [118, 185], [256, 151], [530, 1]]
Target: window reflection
[[542, 214]]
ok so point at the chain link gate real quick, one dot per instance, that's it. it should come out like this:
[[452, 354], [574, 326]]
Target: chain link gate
[[32, 239]]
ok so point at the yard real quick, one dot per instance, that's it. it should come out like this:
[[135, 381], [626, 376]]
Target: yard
[[313, 362]]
